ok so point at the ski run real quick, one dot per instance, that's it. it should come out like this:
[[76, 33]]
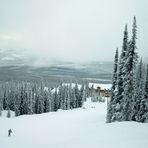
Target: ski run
[[84, 127]]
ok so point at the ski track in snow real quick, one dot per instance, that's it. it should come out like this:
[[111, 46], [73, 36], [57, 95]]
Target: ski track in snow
[[77, 128]]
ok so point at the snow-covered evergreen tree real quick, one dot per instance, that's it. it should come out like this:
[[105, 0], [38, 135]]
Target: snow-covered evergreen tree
[[138, 92], [71, 96], [29, 100], [74, 99], [5, 96], [39, 100], [77, 95], [65, 97], [22, 100], [56, 100], [83, 93], [121, 75], [62, 106], [87, 90], [68, 96], [111, 105], [60, 95], [143, 109], [129, 70], [81, 96], [17, 100]]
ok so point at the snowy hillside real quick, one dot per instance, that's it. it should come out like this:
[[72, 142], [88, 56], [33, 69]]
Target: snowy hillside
[[78, 128]]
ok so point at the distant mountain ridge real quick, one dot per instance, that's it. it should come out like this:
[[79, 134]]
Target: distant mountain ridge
[[17, 66]]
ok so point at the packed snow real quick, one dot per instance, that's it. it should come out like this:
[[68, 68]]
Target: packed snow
[[78, 128]]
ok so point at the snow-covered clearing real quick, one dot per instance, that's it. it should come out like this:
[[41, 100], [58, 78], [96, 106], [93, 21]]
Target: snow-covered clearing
[[77, 128]]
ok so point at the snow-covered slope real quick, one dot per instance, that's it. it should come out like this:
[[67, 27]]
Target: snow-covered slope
[[78, 128]]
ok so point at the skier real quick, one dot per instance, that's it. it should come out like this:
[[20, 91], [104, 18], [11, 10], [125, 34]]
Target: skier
[[9, 132]]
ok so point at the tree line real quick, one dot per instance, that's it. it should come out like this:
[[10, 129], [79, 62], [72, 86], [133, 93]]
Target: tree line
[[31, 98], [129, 92]]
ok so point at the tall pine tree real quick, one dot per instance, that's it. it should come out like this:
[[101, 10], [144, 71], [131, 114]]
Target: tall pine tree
[[121, 75], [138, 92], [143, 111], [129, 70], [111, 105]]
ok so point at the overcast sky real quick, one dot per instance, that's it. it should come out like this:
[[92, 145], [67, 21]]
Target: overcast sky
[[73, 30]]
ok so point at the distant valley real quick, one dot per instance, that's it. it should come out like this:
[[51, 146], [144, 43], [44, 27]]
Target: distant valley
[[17, 67]]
